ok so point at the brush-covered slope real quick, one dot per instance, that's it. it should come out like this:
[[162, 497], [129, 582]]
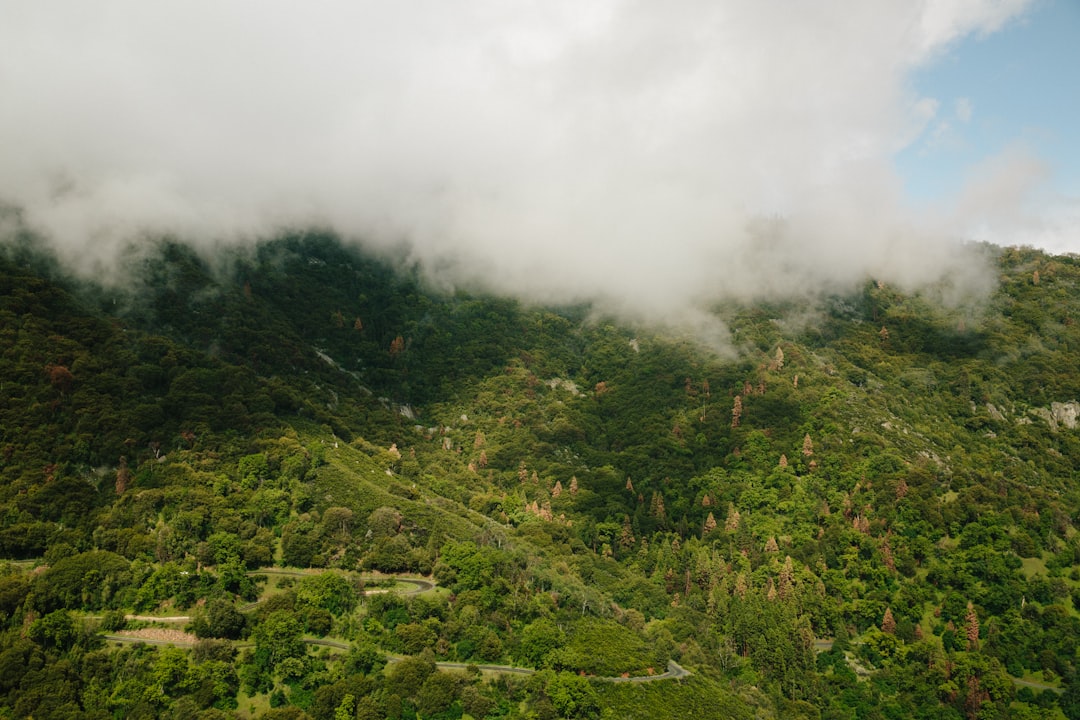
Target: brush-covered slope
[[868, 511]]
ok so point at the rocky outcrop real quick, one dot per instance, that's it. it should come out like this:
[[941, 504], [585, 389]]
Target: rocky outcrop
[[1059, 415]]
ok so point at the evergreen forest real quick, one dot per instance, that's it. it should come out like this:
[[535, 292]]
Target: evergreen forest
[[298, 480]]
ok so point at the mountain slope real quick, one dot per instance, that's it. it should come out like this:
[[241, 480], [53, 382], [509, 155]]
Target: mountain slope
[[891, 474]]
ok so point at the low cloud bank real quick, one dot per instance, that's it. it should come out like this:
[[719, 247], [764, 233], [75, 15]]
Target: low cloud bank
[[652, 156]]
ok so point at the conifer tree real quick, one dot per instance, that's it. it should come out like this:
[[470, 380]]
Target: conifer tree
[[732, 522], [656, 506], [771, 546], [557, 490], [710, 524], [807, 446], [736, 411], [888, 623], [787, 579], [573, 485], [123, 476], [887, 556], [626, 538], [971, 627]]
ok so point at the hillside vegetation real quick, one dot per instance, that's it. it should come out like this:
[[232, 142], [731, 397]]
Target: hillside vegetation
[[868, 511]]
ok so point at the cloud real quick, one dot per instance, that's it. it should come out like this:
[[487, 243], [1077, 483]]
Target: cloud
[[1005, 201], [1057, 228], [964, 109], [654, 156]]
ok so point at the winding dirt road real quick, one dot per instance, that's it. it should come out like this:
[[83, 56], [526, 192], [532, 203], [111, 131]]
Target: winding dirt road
[[674, 670]]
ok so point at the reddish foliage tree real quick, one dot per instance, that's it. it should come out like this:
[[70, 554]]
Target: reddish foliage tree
[[123, 476], [656, 506], [733, 519], [60, 377], [888, 623], [971, 627], [710, 524]]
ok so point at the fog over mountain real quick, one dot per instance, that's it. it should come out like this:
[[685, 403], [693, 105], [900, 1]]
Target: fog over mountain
[[653, 156]]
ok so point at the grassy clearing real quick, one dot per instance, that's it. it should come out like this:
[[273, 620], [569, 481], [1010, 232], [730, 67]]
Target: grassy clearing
[[1037, 678], [1032, 567], [251, 706]]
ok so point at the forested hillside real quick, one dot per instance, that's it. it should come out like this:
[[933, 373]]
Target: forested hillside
[[867, 509]]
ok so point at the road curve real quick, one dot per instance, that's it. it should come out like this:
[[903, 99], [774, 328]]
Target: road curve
[[675, 671], [421, 585], [442, 665], [148, 641]]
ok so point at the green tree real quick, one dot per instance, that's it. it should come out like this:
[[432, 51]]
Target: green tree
[[278, 638], [572, 696], [539, 640], [330, 591], [219, 619], [55, 630], [439, 691]]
